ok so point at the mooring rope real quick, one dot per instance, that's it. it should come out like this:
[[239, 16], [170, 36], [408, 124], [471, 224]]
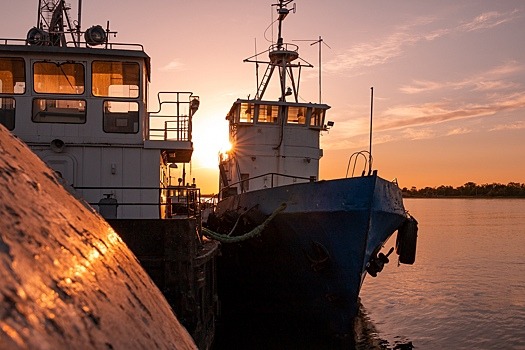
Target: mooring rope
[[255, 232]]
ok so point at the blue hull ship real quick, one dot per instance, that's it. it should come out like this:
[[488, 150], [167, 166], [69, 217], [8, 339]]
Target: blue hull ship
[[293, 246]]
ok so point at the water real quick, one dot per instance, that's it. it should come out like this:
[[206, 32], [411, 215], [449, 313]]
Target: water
[[467, 287]]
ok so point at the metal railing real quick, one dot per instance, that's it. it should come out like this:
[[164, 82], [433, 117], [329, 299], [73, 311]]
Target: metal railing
[[272, 176], [188, 198], [176, 124]]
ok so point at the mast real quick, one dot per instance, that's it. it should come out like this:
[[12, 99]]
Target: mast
[[282, 56]]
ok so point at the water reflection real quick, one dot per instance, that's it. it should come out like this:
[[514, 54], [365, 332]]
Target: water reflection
[[274, 332]]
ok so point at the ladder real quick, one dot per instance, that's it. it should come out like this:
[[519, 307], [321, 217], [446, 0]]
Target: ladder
[[264, 82]]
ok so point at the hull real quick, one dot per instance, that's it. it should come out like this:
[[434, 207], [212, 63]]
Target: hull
[[309, 262]]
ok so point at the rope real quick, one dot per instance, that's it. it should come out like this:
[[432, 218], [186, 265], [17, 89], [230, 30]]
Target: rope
[[253, 233]]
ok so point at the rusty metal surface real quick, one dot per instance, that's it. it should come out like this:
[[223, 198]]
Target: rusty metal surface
[[67, 281]]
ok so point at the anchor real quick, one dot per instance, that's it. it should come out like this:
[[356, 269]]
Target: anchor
[[377, 263]]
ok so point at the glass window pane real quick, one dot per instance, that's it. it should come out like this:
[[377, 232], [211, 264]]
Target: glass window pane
[[121, 117], [247, 112], [7, 112], [12, 76], [115, 79], [59, 111], [268, 114], [317, 118], [59, 78], [296, 115]]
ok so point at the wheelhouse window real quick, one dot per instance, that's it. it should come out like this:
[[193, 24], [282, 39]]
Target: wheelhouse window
[[59, 78], [268, 114], [317, 118], [12, 76], [247, 113], [121, 117], [296, 115], [7, 112], [47, 110], [115, 79]]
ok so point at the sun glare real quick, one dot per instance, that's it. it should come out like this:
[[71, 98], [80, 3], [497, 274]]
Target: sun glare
[[208, 144]]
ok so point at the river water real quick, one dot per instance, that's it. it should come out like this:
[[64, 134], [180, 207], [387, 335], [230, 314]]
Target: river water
[[467, 287]]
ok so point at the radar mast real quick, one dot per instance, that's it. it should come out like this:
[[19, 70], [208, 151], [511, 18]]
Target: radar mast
[[282, 56]]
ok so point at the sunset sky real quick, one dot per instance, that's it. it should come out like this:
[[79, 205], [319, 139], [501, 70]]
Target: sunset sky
[[448, 76]]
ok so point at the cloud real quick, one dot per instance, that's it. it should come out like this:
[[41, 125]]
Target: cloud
[[488, 20], [381, 51], [173, 66], [490, 80], [433, 113], [511, 126], [418, 134], [459, 131]]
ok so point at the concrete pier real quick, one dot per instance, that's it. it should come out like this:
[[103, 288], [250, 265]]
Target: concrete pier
[[67, 279]]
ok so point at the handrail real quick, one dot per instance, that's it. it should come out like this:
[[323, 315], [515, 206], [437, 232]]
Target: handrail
[[192, 196], [311, 179], [181, 118], [105, 46], [362, 154]]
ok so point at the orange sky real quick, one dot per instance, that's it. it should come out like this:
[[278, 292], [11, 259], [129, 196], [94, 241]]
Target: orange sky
[[448, 77]]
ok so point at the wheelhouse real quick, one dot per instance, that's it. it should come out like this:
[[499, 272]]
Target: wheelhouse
[[84, 111], [274, 143]]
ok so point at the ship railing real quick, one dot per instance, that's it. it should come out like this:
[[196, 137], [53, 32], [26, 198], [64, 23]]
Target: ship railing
[[10, 41], [174, 201], [243, 183], [367, 162], [283, 47], [173, 119], [106, 46]]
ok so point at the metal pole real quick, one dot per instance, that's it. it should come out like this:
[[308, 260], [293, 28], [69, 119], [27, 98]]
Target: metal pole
[[371, 118], [320, 70], [79, 25], [39, 14]]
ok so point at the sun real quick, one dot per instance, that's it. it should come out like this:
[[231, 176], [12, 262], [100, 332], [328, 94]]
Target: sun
[[209, 139]]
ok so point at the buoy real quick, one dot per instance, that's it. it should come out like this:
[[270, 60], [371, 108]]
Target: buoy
[[406, 241]]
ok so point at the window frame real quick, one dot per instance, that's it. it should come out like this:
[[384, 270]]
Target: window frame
[[35, 118], [58, 64]]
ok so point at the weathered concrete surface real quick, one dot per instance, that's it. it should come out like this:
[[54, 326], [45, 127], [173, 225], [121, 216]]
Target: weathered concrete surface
[[67, 281]]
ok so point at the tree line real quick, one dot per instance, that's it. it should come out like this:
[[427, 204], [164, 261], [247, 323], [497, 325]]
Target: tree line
[[470, 189]]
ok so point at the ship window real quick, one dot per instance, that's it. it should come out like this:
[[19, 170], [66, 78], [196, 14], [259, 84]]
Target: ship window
[[59, 111], [115, 79], [268, 114], [247, 113], [317, 118], [12, 76], [59, 78], [7, 112], [296, 115], [121, 117], [245, 182]]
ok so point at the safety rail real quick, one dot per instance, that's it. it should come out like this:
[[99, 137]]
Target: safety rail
[[178, 200], [105, 46], [368, 160], [176, 125], [310, 179]]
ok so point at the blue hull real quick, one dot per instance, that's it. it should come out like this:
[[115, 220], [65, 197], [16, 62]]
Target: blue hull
[[310, 261]]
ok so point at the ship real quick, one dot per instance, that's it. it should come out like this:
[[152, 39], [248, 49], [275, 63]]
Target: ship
[[295, 247], [80, 102]]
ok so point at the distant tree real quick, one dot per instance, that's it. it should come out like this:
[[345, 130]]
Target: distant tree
[[469, 189]]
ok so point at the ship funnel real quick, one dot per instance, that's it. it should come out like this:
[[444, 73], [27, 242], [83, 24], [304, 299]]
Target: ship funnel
[[37, 36], [95, 35]]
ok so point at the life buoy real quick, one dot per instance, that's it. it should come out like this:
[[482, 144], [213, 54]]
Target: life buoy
[[406, 241]]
